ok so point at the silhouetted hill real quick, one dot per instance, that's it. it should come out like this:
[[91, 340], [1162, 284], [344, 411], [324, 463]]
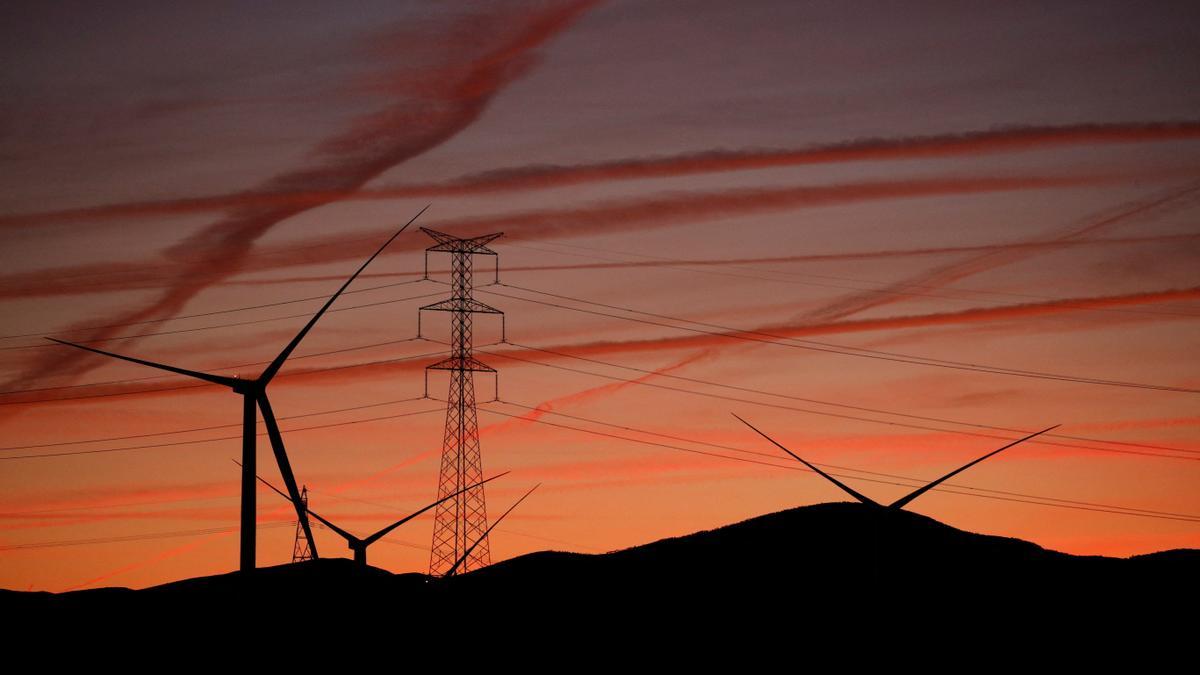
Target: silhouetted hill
[[828, 557]]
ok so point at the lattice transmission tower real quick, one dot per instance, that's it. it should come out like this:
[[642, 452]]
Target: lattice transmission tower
[[460, 521], [301, 551]]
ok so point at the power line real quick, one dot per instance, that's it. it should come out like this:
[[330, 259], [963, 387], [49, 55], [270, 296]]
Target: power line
[[1083, 506], [654, 385], [673, 263], [668, 262], [281, 251], [401, 542], [918, 481], [211, 428], [810, 345], [800, 468], [207, 384], [218, 368], [203, 314], [819, 412], [212, 440], [879, 411], [224, 325], [738, 332], [123, 505], [141, 537]]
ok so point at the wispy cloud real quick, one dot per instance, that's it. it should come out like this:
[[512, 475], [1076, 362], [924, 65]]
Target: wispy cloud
[[429, 109], [605, 217], [547, 176], [944, 275], [679, 340]]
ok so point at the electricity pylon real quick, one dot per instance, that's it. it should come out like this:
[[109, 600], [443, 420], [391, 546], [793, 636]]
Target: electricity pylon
[[460, 524]]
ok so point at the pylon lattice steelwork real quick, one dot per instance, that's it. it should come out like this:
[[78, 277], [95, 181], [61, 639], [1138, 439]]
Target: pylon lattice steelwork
[[461, 521], [301, 551]]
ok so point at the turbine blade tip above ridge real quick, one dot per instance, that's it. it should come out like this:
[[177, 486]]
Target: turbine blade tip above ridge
[[276, 364], [905, 500]]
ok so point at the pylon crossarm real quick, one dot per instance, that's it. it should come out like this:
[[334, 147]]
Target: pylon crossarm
[[450, 244], [441, 238], [460, 363], [461, 305]]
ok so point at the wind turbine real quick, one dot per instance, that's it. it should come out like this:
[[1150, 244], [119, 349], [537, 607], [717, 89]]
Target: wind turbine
[[903, 501], [359, 546], [254, 392], [483, 536]]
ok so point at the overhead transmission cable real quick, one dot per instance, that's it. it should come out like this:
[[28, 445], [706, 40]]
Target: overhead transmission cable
[[767, 338]]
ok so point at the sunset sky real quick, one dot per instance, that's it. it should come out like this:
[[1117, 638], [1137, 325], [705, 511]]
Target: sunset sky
[[892, 235]]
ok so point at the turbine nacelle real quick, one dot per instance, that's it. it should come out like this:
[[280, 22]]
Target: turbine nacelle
[[247, 387], [358, 545]]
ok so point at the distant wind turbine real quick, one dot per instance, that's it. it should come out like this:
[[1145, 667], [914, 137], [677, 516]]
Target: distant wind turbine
[[359, 546], [254, 392], [903, 501]]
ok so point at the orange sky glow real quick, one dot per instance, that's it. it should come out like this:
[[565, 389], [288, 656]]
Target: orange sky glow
[[892, 244]]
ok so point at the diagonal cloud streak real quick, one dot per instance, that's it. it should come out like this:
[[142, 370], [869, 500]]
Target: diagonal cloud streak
[[446, 101], [615, 263], [708, 338], [941, 276], [605, 217], [548, 176]]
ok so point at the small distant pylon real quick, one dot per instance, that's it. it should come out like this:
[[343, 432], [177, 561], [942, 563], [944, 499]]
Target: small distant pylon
[[300, 551], [460, 524]]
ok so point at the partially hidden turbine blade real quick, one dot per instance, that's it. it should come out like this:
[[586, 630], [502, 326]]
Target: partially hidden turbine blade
[[483, 536], [850, 491], [314, 514], [900, 503], [375, 537]]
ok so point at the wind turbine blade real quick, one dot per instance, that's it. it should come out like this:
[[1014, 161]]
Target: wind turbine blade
[[900, 503], [287, 351], [281, 493], [344, 534], [831, 479], [215, 379], [285, 469], [375, 537], [488, 531]]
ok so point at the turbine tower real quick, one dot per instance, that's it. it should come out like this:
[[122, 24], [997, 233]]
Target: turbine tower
[[254, 400], [460, 524]]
